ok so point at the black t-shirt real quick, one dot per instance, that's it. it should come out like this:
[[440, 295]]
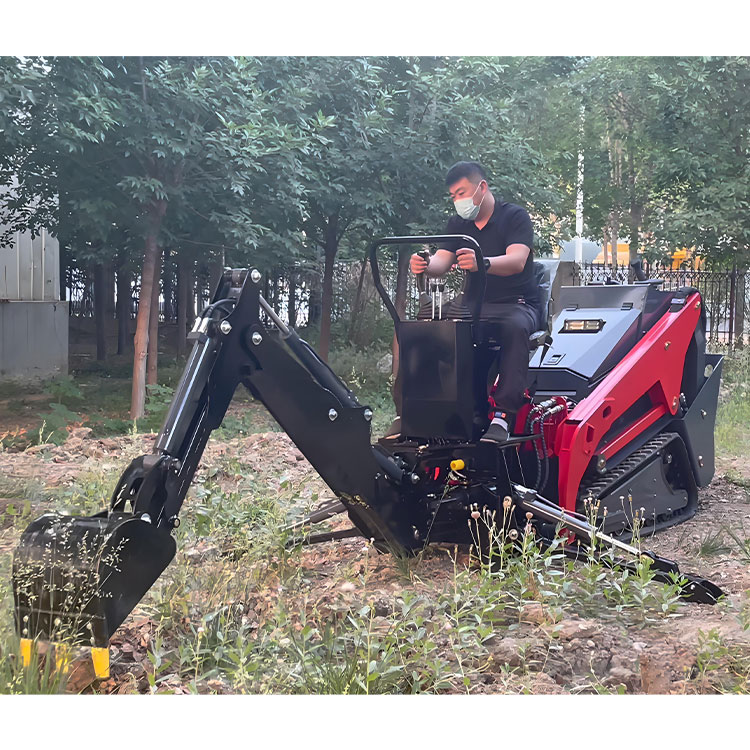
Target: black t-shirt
[[508, 225]]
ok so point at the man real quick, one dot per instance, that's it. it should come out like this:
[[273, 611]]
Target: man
[[511, 299]]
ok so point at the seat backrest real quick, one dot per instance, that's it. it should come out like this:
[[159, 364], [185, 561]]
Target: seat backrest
[[548, 282]]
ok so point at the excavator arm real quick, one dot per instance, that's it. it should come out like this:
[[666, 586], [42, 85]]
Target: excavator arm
[[76, 579]]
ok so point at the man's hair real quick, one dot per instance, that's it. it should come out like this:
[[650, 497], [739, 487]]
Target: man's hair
[[473, 172]]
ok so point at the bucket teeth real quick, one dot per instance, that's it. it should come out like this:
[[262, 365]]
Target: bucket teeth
[[100, 660], [26, 644]]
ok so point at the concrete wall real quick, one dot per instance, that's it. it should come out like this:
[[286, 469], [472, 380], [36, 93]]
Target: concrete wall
[[33, 339]]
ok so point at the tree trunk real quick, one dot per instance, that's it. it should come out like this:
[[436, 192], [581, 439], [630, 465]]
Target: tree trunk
[[314, 303], [402, 280], [292, 306], [100, 306], [123, 308], [614, 238], [357, 301], [605, 242], [183, 295], [191, 282], [635, 211], [215, 270], [331, 246], [138, 395], [167, 287], [153, 327]]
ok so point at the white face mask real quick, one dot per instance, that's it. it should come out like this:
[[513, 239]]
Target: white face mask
[[466, 208]]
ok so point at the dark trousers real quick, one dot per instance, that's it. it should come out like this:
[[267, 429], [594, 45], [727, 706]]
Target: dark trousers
[[511, 325]]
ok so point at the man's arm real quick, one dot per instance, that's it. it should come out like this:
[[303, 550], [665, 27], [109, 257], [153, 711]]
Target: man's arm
[[439, 263], [511, 263]]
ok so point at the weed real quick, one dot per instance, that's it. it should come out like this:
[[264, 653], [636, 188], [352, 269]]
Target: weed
[[713, 544], [741, 542], [721, 667]]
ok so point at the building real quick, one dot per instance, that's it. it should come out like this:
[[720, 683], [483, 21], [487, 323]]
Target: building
[[33, 320]]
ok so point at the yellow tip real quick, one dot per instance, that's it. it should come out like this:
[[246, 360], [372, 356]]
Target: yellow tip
[[63, 657], [100, 659], [457, 464], [26, 651]]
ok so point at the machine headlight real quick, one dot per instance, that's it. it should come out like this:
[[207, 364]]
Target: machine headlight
[[583, 326]]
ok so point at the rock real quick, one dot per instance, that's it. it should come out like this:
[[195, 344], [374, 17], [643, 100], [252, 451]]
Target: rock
[[73, 444], [33, 449], [79, 433], [506, 651], [622, 676], [382, 607], [654, 678], [385, 364], [200, 553], [533, 612], [575, 628]]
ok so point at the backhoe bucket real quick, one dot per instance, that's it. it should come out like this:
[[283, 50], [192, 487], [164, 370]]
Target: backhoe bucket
[[76, 579]]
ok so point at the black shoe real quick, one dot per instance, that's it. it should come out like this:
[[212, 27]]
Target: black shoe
[[497, 432], [394, 430]]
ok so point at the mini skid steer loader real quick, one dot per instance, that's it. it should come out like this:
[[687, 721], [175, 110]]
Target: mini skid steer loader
[[621, 406]]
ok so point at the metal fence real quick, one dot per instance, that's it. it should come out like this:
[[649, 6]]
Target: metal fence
[[726, 295]]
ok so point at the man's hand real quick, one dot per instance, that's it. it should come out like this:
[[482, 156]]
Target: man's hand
[[417, 264], [467, 259]]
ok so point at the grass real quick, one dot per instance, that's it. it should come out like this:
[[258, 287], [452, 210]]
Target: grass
[[97, 395], [733, 415]]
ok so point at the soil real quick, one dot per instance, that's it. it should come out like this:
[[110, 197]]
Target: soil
[[540, 656]]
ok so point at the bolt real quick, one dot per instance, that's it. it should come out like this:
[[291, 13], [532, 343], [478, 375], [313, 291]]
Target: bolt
[[668, 458], [256, 338], [414, 478], [332, 414], [174, 522], [25, 631], [700, 461], [416, 533], [698, 305], [25, 618], [601, 463], [703, 414], [675, 401], [513, 535], [367, 414], [225, 326], [146, 517], [667, 345], [57, 621], [255, 275], [89, 626]]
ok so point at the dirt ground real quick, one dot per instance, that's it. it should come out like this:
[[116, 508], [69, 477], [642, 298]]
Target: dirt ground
[[585, 651]]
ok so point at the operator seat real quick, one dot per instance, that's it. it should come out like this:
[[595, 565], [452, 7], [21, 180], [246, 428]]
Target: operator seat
[[549, 283]]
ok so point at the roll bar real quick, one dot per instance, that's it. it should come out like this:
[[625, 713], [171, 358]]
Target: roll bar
[[470, 241]]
